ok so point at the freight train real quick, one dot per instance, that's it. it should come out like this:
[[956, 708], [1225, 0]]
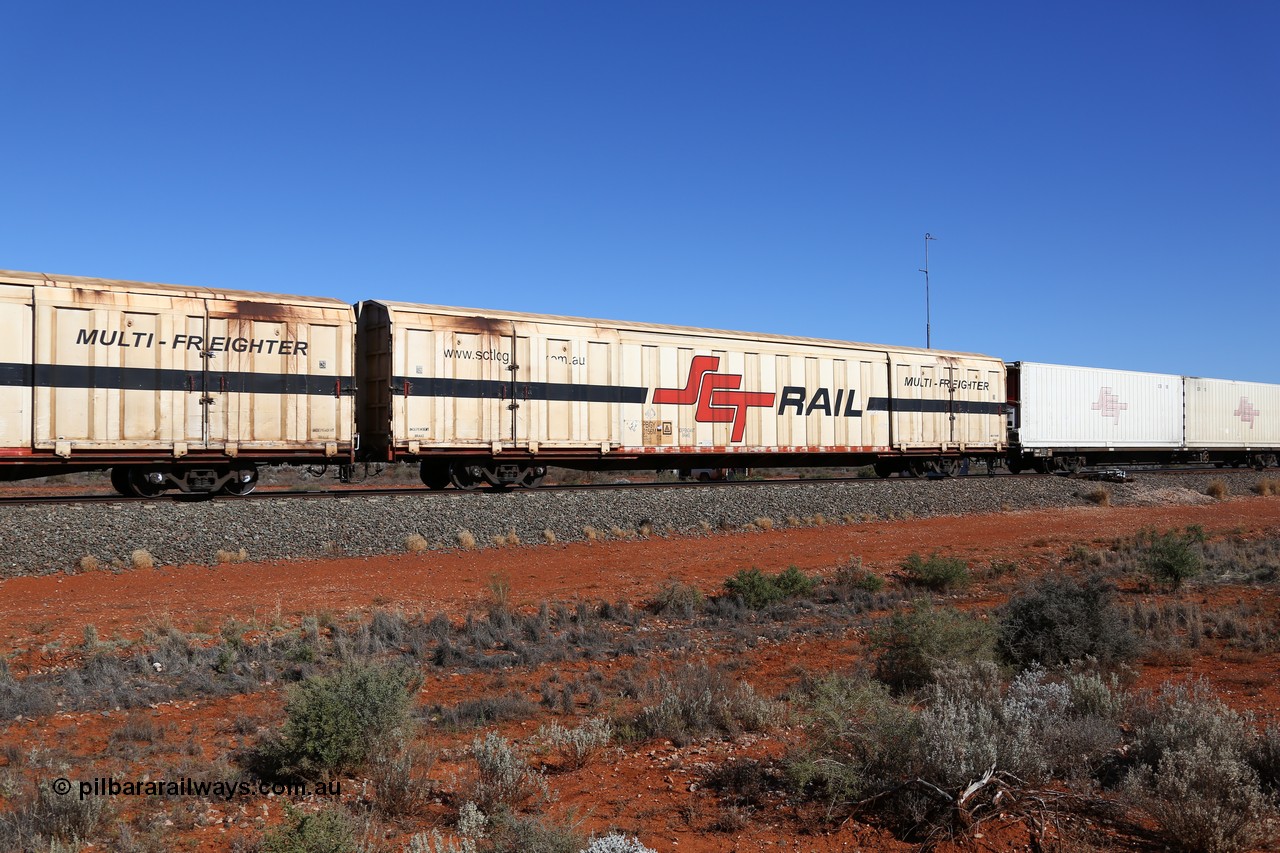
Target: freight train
[[193, 389]]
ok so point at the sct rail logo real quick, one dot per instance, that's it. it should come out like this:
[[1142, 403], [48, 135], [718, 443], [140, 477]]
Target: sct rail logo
[[716, 394], [1109, 405], [1246, 412]]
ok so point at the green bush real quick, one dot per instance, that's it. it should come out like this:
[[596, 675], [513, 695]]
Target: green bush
[[852, 576], [860, 742], [331, 830], [336, 722], [1057, 620], [910, 644], [936, 573], [1171, 558], [758, 590]]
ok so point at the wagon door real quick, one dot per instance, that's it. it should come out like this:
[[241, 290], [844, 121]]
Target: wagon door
[[117, 370], [277, 379]]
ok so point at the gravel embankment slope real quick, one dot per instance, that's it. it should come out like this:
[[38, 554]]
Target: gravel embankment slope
[[46, 539]]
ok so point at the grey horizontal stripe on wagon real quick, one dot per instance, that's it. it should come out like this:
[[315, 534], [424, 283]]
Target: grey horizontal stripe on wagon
[[439, 387], [158, 379], [960, 407], [559, 392]]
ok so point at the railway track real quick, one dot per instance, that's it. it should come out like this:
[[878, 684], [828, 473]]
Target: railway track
[[33, 498]]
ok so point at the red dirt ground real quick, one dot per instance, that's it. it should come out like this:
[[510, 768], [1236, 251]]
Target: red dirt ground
[[645, 790]]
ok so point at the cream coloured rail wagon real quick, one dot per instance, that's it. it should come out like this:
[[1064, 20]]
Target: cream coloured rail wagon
[[169, 386], [492, 396]]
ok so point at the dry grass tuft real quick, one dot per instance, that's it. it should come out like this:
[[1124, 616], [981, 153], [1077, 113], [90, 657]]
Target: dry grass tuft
[[549, 535], [227, 556], [704, 526], [513, 538], [416, 543], [1099, 496], [793, 521], [849, 518], [88, 563], [764, 522], [590, 533], [618, 533], [141, 559], [1267, 487], [819, 520], [1217, 489], [646, 529], [466, 539]]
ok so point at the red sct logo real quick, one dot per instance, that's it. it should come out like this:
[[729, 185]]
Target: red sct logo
[[1246, 412], [716, 394], [1109, 405]]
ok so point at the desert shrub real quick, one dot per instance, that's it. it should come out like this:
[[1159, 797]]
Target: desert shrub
[[578, 745], [330, 830], [1100, 496], [501, 777], [1192, 771], [1217, 489], [615, 843], [860, 742], [26, 698], [399, 780], [335, 722], [1057, 620], [971, 742], [483, 711], [1266, 487], [758, 590], [677, 599], [1172, 557], [852, 576], [908, 645], [1265, 759], [512, 833], [792, 582], [935, 572], [696, 701], [434, 842], [45, 820], [1203, 800]]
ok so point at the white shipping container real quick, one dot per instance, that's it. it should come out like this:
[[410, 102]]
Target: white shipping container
[[1225, 413], [1065, 407]]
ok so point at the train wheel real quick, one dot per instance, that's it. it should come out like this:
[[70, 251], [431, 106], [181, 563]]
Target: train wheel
[[138, 485], [533, 477], [462, 477], [120, 481], [914, 468], [434, 475], [946, 466], [239, 486]]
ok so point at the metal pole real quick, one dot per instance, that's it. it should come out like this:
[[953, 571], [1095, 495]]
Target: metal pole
[[928, 324]]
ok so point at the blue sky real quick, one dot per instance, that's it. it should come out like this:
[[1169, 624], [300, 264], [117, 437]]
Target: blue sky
[[1103, 178]]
